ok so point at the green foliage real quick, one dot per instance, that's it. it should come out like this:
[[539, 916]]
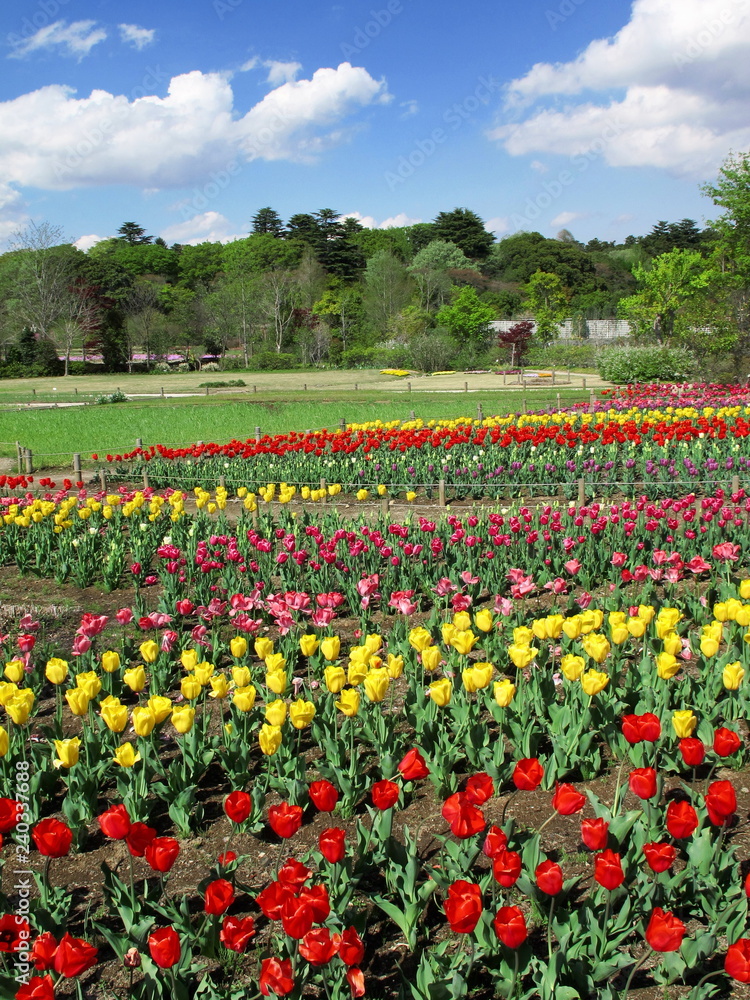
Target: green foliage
[[434, 351], [647, 364], [667, 285], [268, 361], [547, 301], [380, 356], [465, 229], [230, 383], [467, 317], [516, 259], [441, 255], [564, 355], [111, 397]]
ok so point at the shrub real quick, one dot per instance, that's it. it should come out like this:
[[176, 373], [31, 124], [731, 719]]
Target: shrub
[[564, 356], [210, 366], [111, 397], [270, 361], [222, 385], [232, 363], [161, 368], [648, 364], [433, 352]]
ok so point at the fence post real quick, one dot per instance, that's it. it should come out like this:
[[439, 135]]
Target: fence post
[[466, 386], [385, 505], [592, 401], [441, 493], [324, 487], [19, 455], [568, 376], [553, 375], [342, 424], [305, 386], [504, 376], [523, 398], [356, 386], [480, 414], [77, 466], [558, 403], [581, 492], [409, 384], [255, 388], [584, 383], [139, 443], [412, 415], [162, 392], [29, 459], [207, 390], [735, 484], [222, 482], [145, 479], [103, 480], [257, 435]]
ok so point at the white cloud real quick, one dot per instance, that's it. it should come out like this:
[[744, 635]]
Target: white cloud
[[57, 141], [410, 108], [498, 224], [369, 221], [250, 64], [673, 89], [282, 72], [76, 39], [211, 227], [87, 242], [565, 218], [538, 167], [139, 38]]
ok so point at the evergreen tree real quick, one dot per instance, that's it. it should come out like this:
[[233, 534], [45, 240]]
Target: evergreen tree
[[132, 233], [267, 220]]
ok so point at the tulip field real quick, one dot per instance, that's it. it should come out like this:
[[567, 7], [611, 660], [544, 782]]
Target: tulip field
[[279, 750]]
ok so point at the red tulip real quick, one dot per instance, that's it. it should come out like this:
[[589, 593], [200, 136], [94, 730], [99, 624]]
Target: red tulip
[[74, 956], [665, 931], [506, 867], [650, 727], [631, 729], [52, 837], [316, 897], [510, 926], [115, 822], [238, 806], [226, 858], [528, 774], [14, 933], [726, 742], [323, 795], [608, 870], [332, 844], [642, 781], [721, 802], [479, 788], [272, 898], [236, 932], [165, 947], [660, 857], [464, 818], [737, 960], [162, 853], [463, 906], [413, 766], [138, 838], [10, 813], [43, 951], [293, 874], [384, 794], [567, 800], [682, 820], [549, 877], [693, 751], [297, 917], [219, 896], [319, 946], [356, 981], [494, 842], [284, 819], [276, 976], [37, 988], [351, 949], [595, 833]]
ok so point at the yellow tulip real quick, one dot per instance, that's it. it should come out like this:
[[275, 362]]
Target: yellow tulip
[[594, 681], [20, 705], [110, 661], [591, 620], [733, 675], [637, 627], [420, 639], [89, 682], [263, 647], [667, 621], [394, 666], [219, 687], [522, 656], [301, 713], [126, 756], [356, 673], [360, 655], [238, 647], [441, 691], [189, 658], [4, 742], [745, 589], [149, 650], [56, 670], [448, 630], [77, 700], [114, 714], [349, 702], [382, 490], [597, 646], [204, 672], [135, 678], [733, 608], [743, 616], [330, 647], [362, 494], [713, 630], [241, 676], [462, 621], [646, 612], [190, 688], [721, 612], [144, 720], [276, 681], [572, 666], [7, 692], [616, 618], [484, 620], [374, 642], [709, 646], [14, 671], [504, 692], [334, 678], [684, 723], [464, 641], [572, 627], [619, 633], [160, 706], [244, 698], [376, 685], [183, 718], [477, 677], [431, 658], [672, 643], [308, 644], [667, 665], [67, 753], [275, 713], [522, 636], [269, 739]]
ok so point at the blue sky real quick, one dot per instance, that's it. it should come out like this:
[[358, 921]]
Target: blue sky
[[188, 117]]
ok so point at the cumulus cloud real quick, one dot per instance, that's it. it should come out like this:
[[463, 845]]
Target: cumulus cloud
[[669, 90], [76, 39], [87, 242], [565, 218], [211, 227], [497, 224], [369, 221], [139, 38], [282, 72], [54, 140]]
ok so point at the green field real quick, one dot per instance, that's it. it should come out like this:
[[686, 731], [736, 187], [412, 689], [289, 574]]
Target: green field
[[297, 401]]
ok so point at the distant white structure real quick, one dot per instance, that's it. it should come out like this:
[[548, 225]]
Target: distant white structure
[[600, 330]]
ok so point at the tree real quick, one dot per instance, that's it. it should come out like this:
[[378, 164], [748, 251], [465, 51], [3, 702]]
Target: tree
[[133, 234], [547, 302], [667, 285], [518, 339], [260, 252], [467, 317], [387, 289], [466, 230], [78, 319], [430, 269], [47, 268], [268, 222], [666, 236], [343, 305]]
